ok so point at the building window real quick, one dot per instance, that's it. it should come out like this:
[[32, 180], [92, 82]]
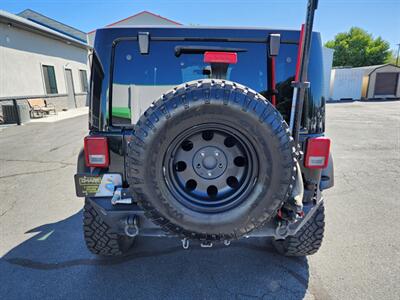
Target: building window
[[50, 79], [84, 81]]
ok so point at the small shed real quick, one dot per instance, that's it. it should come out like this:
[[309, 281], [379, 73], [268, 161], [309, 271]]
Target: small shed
[[363, 83]]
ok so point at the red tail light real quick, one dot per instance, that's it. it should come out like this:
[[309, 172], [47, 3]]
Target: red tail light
[[317, 153], [96, 151], [220, 57]]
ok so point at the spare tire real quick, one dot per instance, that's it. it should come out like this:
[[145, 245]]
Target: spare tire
[[211, 160]]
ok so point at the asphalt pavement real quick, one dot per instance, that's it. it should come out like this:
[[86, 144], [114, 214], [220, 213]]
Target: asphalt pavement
[[43, 255]]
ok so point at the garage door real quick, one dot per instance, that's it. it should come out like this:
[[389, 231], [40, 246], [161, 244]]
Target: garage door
[[386, 84]]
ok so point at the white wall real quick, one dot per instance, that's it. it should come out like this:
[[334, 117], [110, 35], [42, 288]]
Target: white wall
[[347, 83], [327, 55], [21, 55], [91, 36]]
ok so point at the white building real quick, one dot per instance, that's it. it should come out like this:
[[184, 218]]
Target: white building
[[142, 18], [371, 82], [39, 62]]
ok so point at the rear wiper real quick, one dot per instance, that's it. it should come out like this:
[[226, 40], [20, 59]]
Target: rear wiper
[[202, 49]]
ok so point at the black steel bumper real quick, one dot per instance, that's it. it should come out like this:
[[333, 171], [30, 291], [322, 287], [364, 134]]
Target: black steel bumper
[[116, 216]]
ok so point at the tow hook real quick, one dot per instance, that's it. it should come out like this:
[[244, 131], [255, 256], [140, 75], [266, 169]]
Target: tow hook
[[206, 244], [282, 229], [185, 243], [131, 228]]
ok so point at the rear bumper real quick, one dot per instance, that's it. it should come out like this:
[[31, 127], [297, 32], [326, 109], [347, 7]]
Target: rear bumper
[[116, 216]]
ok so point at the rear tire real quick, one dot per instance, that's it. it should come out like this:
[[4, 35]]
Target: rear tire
[[307, 240], [98, 237]]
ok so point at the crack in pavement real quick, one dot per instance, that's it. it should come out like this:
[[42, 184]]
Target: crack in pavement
[[31, 264], [135, 255], [26, 173], [38, 161], [27, 263], [34, 172], [63, 165], [10, 208], [296, 292]]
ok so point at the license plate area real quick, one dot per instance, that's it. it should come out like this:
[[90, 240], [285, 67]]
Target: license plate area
[[101, 185]]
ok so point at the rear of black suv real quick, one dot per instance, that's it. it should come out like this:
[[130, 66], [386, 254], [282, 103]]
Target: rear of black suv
[[189, 138]]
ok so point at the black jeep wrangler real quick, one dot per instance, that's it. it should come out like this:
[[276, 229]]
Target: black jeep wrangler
[[189, 138]]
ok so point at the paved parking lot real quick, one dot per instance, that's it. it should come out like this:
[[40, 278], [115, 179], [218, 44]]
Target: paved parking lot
[[43, 254]]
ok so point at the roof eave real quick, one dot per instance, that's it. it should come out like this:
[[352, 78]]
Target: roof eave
[[19, 22], [173, 23]]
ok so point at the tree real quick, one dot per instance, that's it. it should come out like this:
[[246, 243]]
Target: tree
[[393, 58], [358, 48]]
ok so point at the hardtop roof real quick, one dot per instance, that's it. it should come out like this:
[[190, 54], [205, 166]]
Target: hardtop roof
[[194, 27], [109, 34]]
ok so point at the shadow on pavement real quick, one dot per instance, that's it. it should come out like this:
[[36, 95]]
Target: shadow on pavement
[[55, 263]]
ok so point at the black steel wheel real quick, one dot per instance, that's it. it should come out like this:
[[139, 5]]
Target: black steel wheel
[[211, 160], [210, 168]]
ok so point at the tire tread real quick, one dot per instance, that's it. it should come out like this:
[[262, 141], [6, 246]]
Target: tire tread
[[98, 237], [308, 239]]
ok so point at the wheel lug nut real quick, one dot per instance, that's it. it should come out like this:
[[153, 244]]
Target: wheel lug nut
[[216, 153], [220, 165], [202, 154], [209, 174], [198, 166]]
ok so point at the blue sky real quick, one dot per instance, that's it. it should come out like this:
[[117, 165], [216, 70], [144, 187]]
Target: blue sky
[[379, 17]]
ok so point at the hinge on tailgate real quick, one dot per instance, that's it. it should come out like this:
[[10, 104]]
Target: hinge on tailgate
[[144, 42], [121, 196]]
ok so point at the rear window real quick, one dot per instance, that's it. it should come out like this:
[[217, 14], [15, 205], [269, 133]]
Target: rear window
[[140, 79]]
